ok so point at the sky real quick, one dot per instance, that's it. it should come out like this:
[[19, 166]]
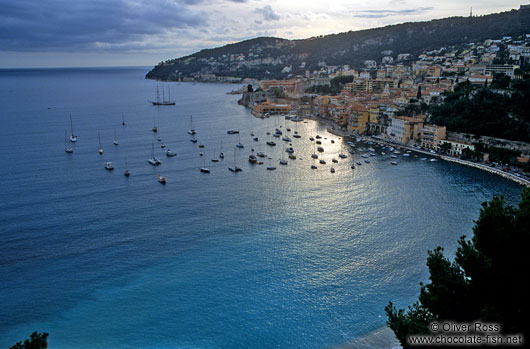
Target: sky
[[88, 33]]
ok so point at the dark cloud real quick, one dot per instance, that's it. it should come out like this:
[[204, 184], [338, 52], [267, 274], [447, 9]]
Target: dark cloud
[[389, 13], [27, 25], [268, 13]]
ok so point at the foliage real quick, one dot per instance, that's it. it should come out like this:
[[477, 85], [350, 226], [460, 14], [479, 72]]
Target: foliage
[[485, 281], [36, 341], [485, 112]]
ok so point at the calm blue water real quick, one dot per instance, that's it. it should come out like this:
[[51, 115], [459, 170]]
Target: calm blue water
[[287, 258]]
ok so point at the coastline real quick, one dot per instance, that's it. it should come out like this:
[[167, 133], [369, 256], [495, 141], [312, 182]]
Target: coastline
[[507, 175]]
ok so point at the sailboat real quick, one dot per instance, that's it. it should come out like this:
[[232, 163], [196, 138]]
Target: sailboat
[[163, 101], [283, 161], [191, 131], [100, 150], [153, 161], [122, 119], [73, 138], [154, 129], [204, 169], [239, 145], [126, 173], [67, 149], [161, 179], [221, 154], [235, 168], [115, 142]]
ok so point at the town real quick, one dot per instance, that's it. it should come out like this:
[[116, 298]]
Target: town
[[390, 100]]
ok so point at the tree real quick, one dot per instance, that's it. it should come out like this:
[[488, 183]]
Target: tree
[[38, 341], [484, 282], [249, 88], [418, 95], [445, 147]]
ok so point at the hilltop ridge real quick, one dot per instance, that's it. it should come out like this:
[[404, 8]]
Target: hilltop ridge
[[270, 57]]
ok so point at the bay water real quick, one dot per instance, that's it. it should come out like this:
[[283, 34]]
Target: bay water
[[293, 257]]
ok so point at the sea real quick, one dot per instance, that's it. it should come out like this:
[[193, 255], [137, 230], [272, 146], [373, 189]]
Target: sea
[[287, 258]]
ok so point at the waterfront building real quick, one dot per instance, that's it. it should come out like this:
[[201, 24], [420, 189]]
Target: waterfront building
[[456, 146], [271, 108], [431, 135], [404, 129], [358, 118]]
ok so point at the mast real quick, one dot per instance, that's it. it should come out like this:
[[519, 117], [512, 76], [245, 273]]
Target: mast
[[71, 125], [157, 95]]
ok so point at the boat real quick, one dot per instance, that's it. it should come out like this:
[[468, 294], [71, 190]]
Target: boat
[[320, 149], [191, 131], [296, 135], [292, 156], [252, 158], [201, 153], [289, 150], [313, 167], [67, 149], [318, 137], [311, 138], [334, 161], [126, 173], [108, 166], [271, 143], [163, 101], [364, 156], [352, 167], [260, 154], [239, 145], [423, 159], [319, 142], [193, 140], [332, 170], [287, 139], [235, 168], [221, 154], [393, 162], [153, 160], [100, 149], [372, 154], [393, 156], [367, 161], [282, 160], [161, 179], [122, 120], [271, 168], [232, 132], [154, 129], [201, 145], [170, 153], [204, 169], [322, 161], [115, 142], [406, 154], [343, 156], [332, 141], [433, 160], [73, 138], [359, 163], [162, 145]]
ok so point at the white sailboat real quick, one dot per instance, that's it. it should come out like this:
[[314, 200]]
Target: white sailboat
[[239, 145], [282, 160], [191, 131], [235, 168], [126, 173], [153, 160], [100, 150], [204, 169], [221, 154], [67, 149], [115, 142], [73, 138]]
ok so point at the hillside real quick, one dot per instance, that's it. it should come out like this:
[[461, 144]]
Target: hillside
[[266, 57]]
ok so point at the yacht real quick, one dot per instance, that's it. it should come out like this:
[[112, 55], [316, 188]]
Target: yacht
[[322, 161], [313, 167], [170, 153], [153, 160], [271, 168], [232, 132], [343, 156], [161, 179], [67, 149], [261, 155], [393, 162], [320, 149], [191, 131], [73, 138], [108, 166], [359, 163], [271, 143], [289, 150], [332, 170], [334, 161], [311, 138]]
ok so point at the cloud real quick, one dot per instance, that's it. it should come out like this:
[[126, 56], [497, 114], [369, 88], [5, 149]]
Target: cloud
[[92, 24], [389, 13], [268, 13]]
